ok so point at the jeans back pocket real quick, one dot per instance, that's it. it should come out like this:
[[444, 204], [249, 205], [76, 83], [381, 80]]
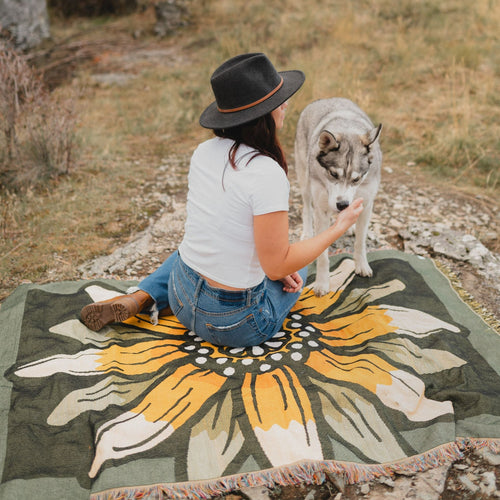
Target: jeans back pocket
[[251, 329]]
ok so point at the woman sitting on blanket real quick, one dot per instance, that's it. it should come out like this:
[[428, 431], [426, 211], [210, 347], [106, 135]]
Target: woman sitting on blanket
[[235, 276]]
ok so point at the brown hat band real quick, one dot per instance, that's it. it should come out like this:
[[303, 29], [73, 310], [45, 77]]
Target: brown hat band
[[252, 104]]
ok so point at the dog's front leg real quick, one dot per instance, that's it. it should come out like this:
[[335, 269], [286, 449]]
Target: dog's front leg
[[307, 213], [322, 283], [360, 259]]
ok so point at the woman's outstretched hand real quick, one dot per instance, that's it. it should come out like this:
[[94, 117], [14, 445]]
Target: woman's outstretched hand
[[349, 215], [292, 283]]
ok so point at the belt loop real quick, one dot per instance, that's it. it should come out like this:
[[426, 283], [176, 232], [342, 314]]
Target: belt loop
[[197, 290], [249, 297], [199, 284]]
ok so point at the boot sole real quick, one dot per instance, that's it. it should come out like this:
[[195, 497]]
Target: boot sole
[[97, 316]]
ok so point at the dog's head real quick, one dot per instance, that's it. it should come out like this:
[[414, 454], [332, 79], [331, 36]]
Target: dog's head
[[346, 159]]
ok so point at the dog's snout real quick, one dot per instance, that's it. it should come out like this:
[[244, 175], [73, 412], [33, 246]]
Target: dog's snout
[[341, 205]]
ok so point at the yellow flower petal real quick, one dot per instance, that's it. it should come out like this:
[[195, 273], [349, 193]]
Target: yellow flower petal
[[357, 328], [164, 409], [140, 358], [309, 304], [275, 397], [279, 411], [367, 370], [180, 395], [169, 325]]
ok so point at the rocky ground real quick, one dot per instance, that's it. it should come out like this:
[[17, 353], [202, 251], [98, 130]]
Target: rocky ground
[[459, 230]]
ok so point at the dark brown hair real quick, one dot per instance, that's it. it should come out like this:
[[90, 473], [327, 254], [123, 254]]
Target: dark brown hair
[[259, 134]]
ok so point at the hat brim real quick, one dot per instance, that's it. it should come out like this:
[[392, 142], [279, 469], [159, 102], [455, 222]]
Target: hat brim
[[214, 119]]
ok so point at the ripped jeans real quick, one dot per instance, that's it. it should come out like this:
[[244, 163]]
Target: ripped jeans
[[239, 318]]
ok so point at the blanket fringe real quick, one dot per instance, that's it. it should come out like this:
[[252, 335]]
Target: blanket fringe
[[492, 444], [309, 472]]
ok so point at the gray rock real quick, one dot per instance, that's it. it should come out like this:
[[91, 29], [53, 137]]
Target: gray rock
[[489, 456], [25, 22], [423, 238], [365, 488], [488, 483], [468, 483], [256, 493], [112, 79], [169, 16]]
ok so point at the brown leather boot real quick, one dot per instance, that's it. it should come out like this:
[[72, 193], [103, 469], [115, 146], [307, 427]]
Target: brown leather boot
[[98, 315]]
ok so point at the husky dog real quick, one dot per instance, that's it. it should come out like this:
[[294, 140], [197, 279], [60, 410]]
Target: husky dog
[[338, 159]]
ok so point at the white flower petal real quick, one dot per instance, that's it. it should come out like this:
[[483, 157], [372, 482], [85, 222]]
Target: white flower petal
[[342, 275], [416, 323], [128, 434], [349, 414], [75, 329], [85, 363], [360, 297], [302, 442], [423, 361], [110, 391], [406, 394], [213, 443], [98, 293]]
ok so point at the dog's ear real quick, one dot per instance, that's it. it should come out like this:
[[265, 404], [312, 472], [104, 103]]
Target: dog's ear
[[328, 142], [370, 137]]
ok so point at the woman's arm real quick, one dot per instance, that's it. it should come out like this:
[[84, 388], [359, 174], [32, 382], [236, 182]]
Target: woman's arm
[[279, 258]]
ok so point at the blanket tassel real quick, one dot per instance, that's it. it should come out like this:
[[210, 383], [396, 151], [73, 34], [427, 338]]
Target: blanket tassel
[[309, 472]]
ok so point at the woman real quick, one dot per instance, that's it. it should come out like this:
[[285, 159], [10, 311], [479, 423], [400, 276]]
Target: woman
[[235, 276]]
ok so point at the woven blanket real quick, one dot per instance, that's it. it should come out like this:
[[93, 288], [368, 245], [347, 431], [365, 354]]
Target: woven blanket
[[388, 374]]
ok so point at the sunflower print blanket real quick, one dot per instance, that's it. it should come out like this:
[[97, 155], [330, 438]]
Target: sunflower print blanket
[[381, 375]]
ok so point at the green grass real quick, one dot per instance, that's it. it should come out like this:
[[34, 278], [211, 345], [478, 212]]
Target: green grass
[[429, 71]]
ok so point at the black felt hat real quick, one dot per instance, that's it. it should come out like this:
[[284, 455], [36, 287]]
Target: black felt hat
[[247, 87]]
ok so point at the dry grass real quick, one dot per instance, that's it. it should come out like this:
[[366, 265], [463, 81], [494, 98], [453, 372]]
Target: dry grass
[[427, 70], [38, 139]]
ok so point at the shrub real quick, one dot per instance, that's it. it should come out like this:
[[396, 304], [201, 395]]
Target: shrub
[[38, 127]]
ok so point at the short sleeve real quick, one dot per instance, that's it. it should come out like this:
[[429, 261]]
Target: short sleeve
[[270, 188]]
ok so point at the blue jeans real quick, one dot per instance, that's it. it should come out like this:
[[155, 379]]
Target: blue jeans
[[239, 318]]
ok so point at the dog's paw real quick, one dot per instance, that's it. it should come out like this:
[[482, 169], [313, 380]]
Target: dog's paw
[[320, 290], [363, 269]]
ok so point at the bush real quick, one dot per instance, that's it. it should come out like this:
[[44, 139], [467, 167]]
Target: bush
[[38, 127]]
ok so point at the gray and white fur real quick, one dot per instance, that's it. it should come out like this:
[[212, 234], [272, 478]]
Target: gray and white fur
[[338, 159]]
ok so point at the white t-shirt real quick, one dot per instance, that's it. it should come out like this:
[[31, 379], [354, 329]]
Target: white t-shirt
[[219, 241]]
